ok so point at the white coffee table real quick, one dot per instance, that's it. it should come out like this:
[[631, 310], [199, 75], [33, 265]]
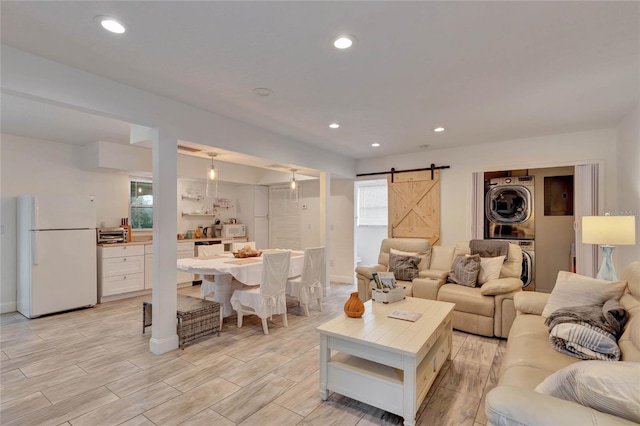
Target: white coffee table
[[386, 362]]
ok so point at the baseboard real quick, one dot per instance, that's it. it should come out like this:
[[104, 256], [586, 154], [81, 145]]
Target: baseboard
[[343, 279], [161, 346], [7, 307], [105, 299]]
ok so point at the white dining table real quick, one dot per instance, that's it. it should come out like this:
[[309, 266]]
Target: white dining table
[[224, 267]]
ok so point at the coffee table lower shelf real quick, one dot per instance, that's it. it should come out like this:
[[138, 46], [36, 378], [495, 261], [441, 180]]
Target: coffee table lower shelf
[[382, 386]]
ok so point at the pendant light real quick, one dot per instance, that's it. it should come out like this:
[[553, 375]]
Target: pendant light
[[293, 187], [212, 178]]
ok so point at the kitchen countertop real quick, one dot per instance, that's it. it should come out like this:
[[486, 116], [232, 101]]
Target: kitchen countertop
[[190, 240]]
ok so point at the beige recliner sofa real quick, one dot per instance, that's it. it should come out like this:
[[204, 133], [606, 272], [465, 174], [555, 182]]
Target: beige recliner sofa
[[530, 358], [487, 310], [413, 245]]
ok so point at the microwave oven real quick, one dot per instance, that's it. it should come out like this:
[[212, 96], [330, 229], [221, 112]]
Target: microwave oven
[[231, 231]]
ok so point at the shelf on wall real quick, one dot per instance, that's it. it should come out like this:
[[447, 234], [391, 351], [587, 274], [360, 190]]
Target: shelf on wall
[[193, 197], [198, 214], [218, 206]]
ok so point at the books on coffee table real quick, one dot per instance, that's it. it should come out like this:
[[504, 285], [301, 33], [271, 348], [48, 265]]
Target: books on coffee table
[[405, 315]]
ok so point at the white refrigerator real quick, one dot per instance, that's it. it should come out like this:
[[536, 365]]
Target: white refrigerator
[[252, 209], [56, 253]]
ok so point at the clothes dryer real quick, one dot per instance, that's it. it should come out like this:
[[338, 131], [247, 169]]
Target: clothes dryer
[[509, 208]]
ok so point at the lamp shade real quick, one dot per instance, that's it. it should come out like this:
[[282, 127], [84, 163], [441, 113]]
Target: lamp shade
[[609, 230]]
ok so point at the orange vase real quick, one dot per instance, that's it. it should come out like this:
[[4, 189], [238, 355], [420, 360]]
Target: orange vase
[[354, 307]]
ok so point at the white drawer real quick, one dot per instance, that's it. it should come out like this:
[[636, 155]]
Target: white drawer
[[122, 251], [122, 284], [122, 265], [187, 248]]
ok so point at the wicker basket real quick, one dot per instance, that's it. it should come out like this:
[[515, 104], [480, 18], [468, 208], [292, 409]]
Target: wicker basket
[[243, 254]]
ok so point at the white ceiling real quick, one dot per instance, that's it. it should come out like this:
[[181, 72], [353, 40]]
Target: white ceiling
[[487, 71]]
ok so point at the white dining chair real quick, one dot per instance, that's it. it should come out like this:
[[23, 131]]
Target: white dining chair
[[208, 281], [210, 250], [238, 246], [310, 284], [207, 286], [269, 298]]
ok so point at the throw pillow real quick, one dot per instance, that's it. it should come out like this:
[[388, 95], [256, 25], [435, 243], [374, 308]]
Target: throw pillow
[[425, 257], [404, 268], [577, 290], [465, 269], [490, 268], [609, 387]]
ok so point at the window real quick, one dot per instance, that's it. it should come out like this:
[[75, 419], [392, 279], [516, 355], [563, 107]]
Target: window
[[141, 204], [372, 203]]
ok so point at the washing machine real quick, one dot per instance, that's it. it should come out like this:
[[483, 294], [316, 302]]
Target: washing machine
[[528, 275], [509, 213]]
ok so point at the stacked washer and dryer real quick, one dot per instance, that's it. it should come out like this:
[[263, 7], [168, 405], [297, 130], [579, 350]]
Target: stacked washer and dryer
[[509, 216]]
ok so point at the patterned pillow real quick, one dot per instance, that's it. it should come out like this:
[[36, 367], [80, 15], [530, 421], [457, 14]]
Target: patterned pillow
[[404, 268], [465, 270], [425, 257]]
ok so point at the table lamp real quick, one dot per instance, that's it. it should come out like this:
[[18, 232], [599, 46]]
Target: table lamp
[[608, 232]]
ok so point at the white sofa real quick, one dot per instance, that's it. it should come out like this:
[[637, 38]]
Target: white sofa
[[530, 358], [487, 310]]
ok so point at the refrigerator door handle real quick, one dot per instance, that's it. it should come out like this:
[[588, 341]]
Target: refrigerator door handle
[[34, 248]]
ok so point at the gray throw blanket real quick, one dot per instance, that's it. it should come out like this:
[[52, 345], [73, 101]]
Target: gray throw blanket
[[489, 248], [588, 332]]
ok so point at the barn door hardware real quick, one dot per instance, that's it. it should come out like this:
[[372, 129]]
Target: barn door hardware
[[393, 171]]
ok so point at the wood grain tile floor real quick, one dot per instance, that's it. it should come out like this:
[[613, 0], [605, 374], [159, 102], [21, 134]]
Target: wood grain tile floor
[[93, 367]]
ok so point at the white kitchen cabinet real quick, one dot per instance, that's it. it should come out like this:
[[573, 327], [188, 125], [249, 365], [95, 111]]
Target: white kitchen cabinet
[[148, 266], [184, 250], [120, 270]]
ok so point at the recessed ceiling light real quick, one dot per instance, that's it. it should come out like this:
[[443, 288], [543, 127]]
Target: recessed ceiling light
[[343, 41], [262, 91], [375, 144], [110, 24], [334, 125], [438, 129]]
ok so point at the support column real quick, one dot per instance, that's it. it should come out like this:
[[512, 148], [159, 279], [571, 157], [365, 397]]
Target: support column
[[325, 223], [165, 224]]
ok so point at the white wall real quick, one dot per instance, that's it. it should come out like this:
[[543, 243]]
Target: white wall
[[342, 229], [225, 190], [118, 158], [456, 182], [33, 166], [629, 182]]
